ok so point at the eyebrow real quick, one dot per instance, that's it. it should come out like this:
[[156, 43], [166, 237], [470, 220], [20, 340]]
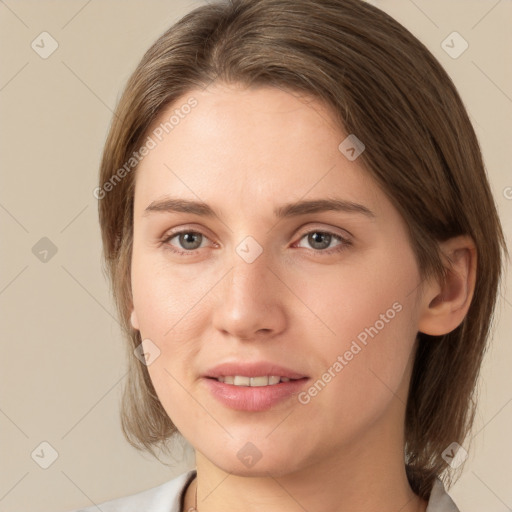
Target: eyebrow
[[179, 205]]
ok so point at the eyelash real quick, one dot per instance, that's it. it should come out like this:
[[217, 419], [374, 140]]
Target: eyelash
[[345, 243]]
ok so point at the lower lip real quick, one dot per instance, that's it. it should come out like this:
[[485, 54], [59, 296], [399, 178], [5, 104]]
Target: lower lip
[[257, 398]]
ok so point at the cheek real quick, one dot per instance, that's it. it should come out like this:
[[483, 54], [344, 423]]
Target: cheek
[[374, 290], [170, 314], [372, 310], [165, 297]]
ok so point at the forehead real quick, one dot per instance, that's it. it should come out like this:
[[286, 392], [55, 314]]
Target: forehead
[[251, 143]]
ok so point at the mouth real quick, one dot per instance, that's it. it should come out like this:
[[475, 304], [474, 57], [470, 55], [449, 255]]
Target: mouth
[[253, 385], [258, 381], [255, 394]]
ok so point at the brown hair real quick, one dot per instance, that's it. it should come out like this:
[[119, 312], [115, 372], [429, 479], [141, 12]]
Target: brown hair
[[383, 85]]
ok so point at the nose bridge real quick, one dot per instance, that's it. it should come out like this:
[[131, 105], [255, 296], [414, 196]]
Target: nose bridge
[[250, 299], [249, 274]]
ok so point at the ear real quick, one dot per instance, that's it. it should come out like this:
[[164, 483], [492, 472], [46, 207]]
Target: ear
[[134, 320], [445, 304]]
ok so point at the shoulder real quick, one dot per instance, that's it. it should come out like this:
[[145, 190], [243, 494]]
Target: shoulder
[[439, 500], [163, 498]]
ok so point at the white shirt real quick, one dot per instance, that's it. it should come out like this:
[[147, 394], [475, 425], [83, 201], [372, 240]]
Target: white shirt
[[168, 497]]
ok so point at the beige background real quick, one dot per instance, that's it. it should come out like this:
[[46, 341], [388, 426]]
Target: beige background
[[62, 364]]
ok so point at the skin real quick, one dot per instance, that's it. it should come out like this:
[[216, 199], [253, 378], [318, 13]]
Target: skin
[[244, 152]]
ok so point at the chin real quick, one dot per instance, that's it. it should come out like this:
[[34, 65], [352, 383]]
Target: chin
[[250, 462]]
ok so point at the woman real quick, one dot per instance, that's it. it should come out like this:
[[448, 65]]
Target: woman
[[305, 254]]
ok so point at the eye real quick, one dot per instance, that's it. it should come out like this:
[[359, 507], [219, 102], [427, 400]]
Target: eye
[[188, 240], [321, 240]]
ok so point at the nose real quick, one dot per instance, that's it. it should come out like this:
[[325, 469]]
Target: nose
[[251, 301]]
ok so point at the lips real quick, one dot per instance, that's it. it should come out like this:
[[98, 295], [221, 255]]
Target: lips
[[254, 369], [243, 395], [255, 399]]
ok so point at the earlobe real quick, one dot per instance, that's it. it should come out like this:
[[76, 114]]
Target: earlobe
[[134, 320], [446, 303]]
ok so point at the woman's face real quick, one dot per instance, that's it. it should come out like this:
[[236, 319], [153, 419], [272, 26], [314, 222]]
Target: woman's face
[[328, 294]]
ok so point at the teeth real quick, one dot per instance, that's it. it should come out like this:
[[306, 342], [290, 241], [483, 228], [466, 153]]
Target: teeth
[[240, 380]]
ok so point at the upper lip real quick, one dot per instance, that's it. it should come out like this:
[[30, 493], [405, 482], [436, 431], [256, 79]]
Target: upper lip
[[254, 369]]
